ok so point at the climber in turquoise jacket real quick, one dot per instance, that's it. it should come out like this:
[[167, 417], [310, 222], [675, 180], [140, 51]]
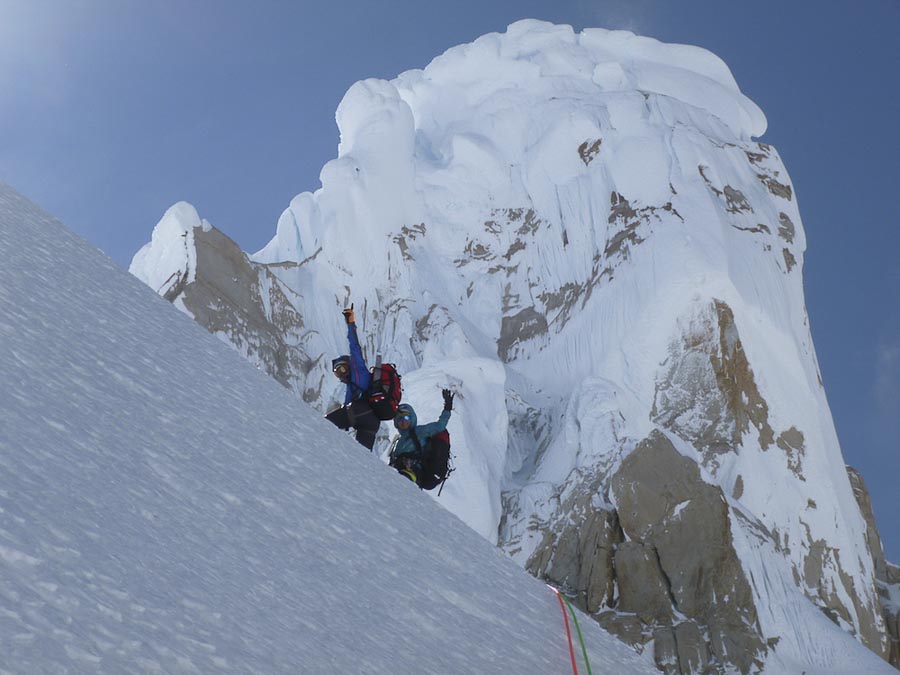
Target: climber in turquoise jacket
[[413, 447]]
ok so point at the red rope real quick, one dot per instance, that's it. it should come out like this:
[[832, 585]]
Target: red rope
[[568, 632]]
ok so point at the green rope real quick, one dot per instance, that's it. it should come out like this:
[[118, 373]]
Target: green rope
[[578, 629]]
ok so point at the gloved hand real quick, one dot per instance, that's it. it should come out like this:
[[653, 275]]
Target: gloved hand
[[348, 314], [448, 398]]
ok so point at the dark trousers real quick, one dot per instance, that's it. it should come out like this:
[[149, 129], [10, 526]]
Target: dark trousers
[[359, 415]]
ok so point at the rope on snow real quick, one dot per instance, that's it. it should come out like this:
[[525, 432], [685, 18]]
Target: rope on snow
[[587, 664], [562, 606]]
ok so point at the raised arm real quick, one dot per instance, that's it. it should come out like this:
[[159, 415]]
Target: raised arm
[[359, 371], [432, 428], [426, 430]]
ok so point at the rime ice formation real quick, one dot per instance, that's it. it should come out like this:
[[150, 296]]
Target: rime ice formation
[[579, 233]]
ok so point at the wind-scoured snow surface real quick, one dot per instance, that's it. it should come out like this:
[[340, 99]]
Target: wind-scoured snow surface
[[165, 507]]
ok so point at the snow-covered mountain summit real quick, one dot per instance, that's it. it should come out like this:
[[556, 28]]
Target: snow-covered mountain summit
[[579, 232], [164, 507]]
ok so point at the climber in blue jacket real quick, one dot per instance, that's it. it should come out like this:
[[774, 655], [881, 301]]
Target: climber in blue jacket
[[351, 369]]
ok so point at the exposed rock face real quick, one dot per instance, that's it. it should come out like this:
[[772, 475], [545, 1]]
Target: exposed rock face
[[887, 575], [708, 393], [667, 549], [643, 586], [889, 589], [664, 504], [681, 649], [518, 328], [245, 304], [873, 538], [579, 557]]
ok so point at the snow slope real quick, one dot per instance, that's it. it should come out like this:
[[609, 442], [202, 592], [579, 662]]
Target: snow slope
[[166, 507]]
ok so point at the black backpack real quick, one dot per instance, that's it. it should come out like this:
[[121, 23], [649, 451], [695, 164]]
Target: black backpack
[[436, 461]]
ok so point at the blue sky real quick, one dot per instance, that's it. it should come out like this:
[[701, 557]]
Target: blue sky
[[112, 110]]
